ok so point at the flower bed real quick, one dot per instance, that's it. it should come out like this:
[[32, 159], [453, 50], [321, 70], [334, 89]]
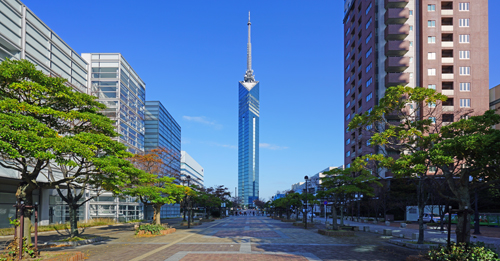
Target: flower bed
[[336, 233], [161, 232]]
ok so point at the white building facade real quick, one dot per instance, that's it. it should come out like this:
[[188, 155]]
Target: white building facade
[[191, 168]]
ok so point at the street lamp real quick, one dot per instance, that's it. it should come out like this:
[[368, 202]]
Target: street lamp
[[305, 210], [188, 201]]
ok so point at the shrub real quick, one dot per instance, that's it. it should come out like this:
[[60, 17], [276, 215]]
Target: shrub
[[462, 252], [151, 228]]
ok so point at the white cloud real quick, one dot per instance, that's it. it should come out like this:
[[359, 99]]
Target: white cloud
[[271, 146], [203, 120]]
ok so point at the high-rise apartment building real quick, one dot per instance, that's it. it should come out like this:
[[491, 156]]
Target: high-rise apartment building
[[192, 169], [438, 44], [118, 86], [248, 133]]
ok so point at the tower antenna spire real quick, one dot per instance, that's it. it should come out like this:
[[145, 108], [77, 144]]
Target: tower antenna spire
[[249, 74]]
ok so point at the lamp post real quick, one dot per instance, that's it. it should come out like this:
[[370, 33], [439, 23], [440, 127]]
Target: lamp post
[[188, 201], [305, 210]]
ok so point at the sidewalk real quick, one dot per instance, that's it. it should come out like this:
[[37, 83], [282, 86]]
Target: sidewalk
[[429, 234]]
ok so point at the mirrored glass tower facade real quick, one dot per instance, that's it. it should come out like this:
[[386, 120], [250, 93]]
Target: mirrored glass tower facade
[[248, 133]]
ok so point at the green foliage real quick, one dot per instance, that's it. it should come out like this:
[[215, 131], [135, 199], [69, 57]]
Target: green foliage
[[463, 252], [151, 228], [14, 222], [12, 250]]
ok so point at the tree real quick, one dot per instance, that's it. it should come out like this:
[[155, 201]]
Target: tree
[[41, 121], [422, 143], [155, 186], [467, 155], [340, 183]]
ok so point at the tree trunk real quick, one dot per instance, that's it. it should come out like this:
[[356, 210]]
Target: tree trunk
[[341, 216], [463, 220], [25, 193], [421, 207], [157, 214], [334, 217], [73, 220]]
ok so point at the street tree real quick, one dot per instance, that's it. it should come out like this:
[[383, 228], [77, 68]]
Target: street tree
[[41, 121], [155, 186]]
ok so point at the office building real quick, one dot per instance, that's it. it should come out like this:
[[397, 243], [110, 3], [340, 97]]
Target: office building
[[495, 101], [191, 168], [24, 36], [162, 130], [118, 86], [441, 45], [248, 133]]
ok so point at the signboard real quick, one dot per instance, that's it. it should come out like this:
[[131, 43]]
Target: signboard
[[326, 202]]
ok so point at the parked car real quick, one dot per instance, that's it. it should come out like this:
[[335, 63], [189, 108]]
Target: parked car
[[431, 218]]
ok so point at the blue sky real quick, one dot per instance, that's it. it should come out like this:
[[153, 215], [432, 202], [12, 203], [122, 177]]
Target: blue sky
[[191, 54]]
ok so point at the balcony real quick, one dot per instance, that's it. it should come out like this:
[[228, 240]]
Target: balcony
[[393, 79], [396, 3], [396, 31], [447, 28], [448, 92], [448, 108], [397, 48], [396, 15], [447, 12], [447, 76], [447, 60], [397, 64], [447, 44]]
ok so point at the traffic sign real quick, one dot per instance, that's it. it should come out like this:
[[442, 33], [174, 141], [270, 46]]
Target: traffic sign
[[326, 202]]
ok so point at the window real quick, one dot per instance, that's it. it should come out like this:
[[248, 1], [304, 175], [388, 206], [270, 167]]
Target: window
[[411, 27], [347, 129], [465, 86], [432, 168], [431, 86], [431, 56], [348, 67], [348, 104], [432, 105], [463, 7], [433, 119], [411, 75], [464, 55], [369, 67], [431, 39], [431, 8], [348, 165], [411, 59], [369, 52], [368, 23], [464, 70], [347, 44], [369, 96], [368, 37], [431, 23], [348, 154], [369, 82], [411, 12], [368, 143], [348, 30], [411, 43], [347, 92], [347, 56], [370, 110], [464, 103], [369, 127], [431, 72], [368, 8], [347, 117], [464, 38], [464, 22], [348, 80], [348, 141]]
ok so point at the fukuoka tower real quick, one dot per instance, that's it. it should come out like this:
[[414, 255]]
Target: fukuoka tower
[[248, 133]]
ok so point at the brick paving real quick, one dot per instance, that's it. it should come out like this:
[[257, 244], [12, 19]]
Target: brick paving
[[242, 238]]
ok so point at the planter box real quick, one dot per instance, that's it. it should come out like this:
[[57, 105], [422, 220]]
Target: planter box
[[309, 225], [162, 232], [351, 228], [336, 233]]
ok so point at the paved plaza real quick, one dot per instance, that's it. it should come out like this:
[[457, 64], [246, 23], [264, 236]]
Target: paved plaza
[[243, 238]]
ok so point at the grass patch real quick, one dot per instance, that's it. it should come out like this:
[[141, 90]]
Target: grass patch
[[91, 223]]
